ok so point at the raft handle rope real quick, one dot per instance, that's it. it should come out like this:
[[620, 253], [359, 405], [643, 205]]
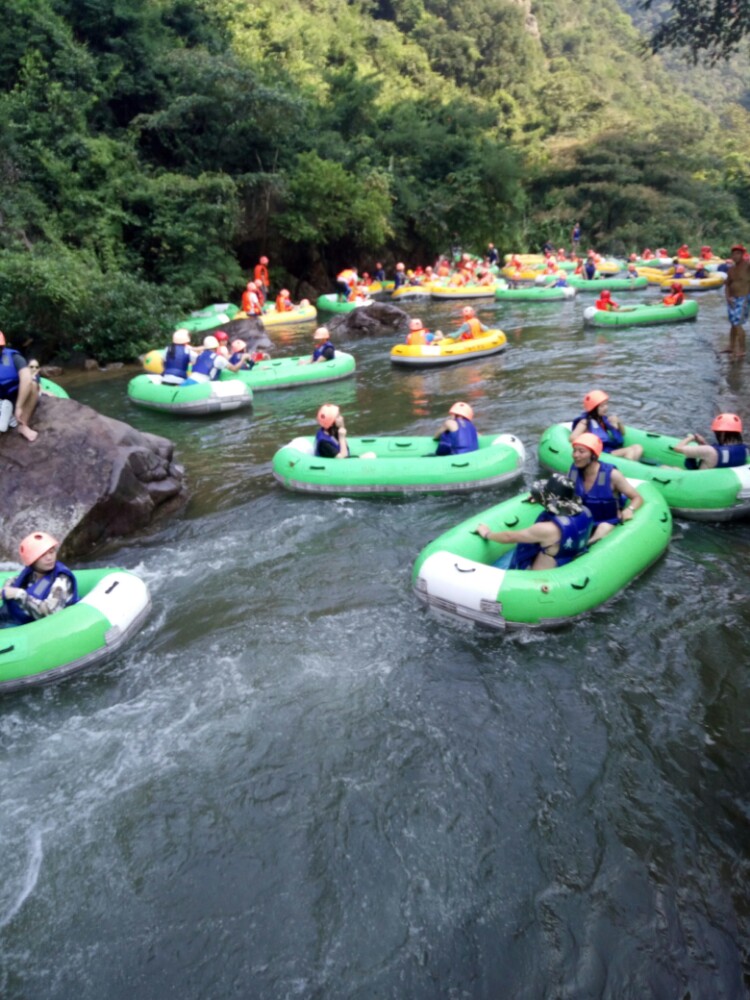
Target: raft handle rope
[[8, 649], [664, 518], [112, 587], [662, 482], [459, 465], [512, 523], [469, 569], [581, 586]]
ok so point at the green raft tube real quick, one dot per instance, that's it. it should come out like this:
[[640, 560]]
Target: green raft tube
[[596, 285], [456, 576], [289, 373], [534, 293], [400, 465], [332, 303], [220, 396], [641, 315], [112, 608], [697, 494], [52, 388], [208, 318]]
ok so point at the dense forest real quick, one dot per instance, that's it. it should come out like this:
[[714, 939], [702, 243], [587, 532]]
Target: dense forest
[[150, 150]]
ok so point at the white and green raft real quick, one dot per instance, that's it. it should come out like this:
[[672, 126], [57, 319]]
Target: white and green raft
[[220, 396], [698, 494], [400, 465], [112, 608], [456, 578], [291, 373]]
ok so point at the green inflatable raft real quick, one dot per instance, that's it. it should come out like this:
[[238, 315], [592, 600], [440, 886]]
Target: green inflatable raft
[[534, 293], [289, 373], [221, 396], [455, 575], [641, 315], [698, 494], [400, 465], [52, 388], [207, 319], [597, 285], [332, 303], [112, 608]]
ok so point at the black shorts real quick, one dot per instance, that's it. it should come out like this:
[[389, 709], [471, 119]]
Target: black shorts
[[11, 394]]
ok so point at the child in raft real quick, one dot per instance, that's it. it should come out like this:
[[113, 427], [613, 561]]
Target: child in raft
[[44, 587]]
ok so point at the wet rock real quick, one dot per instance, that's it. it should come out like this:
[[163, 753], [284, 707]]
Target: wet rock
[[378, 320], [86, 479]]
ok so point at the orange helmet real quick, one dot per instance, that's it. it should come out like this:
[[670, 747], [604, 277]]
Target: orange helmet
[[181, 336], [239, 345], [284, 293], [727, 422], [264, 260], [252, 286], [327, 415], [321, 333], [416, 324], [462, 410], [590, 441], [467, 311], [592, 399], [2, 339], [399, 267], [34, 546]]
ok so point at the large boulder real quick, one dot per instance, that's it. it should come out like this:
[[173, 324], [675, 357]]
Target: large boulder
[[87, 478], [378, 320]]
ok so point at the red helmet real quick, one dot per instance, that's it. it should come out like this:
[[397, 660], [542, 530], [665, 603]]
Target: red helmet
[[221, 335], [34, 546], [727, 422], [676, 286], [327, 415], [462, 410], [592, 399], [590, 441]]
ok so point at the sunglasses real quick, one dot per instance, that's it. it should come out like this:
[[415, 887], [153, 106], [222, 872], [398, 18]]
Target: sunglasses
[[34, 368]]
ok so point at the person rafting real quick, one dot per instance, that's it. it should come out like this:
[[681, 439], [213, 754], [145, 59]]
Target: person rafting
[[730, 451], [601, 487], [44, 586], [470, 328], [607, 427], [605, 302], [676, 295], [557, 537], [457, 434], [418, 335], [330, 440]]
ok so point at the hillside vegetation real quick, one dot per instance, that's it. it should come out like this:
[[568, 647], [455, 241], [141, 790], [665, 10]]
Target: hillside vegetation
[[150, 150]]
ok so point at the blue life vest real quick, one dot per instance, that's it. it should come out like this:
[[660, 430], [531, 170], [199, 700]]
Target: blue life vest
[[8, 373], [176, 361], [729, 457], [323, 435], [399, 279], [574, 535], [378, 275], [234, 358], [609, 435], [460, 441], [204, 365], [602, 500], [40, 590], [576, 233], [326, 351], [561, 283]]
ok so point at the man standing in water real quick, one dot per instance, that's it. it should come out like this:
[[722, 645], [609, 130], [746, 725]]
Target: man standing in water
[[737, 290]]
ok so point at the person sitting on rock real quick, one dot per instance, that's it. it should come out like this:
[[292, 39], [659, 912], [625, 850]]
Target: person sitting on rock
[[557, 537], [178, 357], [18, 395], [730, 451], [44, 587], [470, 328], [330, 440], [457, 434]]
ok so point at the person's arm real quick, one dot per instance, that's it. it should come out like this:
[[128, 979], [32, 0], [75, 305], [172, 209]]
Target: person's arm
[[580, 428], [694, 446], [449, 426], [343, 443], [235, 367], [621, 484], [59, 595], [544, 532]]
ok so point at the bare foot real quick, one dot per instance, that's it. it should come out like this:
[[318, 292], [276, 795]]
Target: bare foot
[[27, 432]]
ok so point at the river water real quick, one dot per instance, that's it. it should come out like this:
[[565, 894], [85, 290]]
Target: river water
[[296, 783]]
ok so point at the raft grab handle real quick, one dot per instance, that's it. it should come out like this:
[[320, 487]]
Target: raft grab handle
[[581, 586], [112, 587], [8, 649]]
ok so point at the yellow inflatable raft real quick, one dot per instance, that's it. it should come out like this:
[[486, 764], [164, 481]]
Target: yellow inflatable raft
[[299, 314], [447, 351]]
